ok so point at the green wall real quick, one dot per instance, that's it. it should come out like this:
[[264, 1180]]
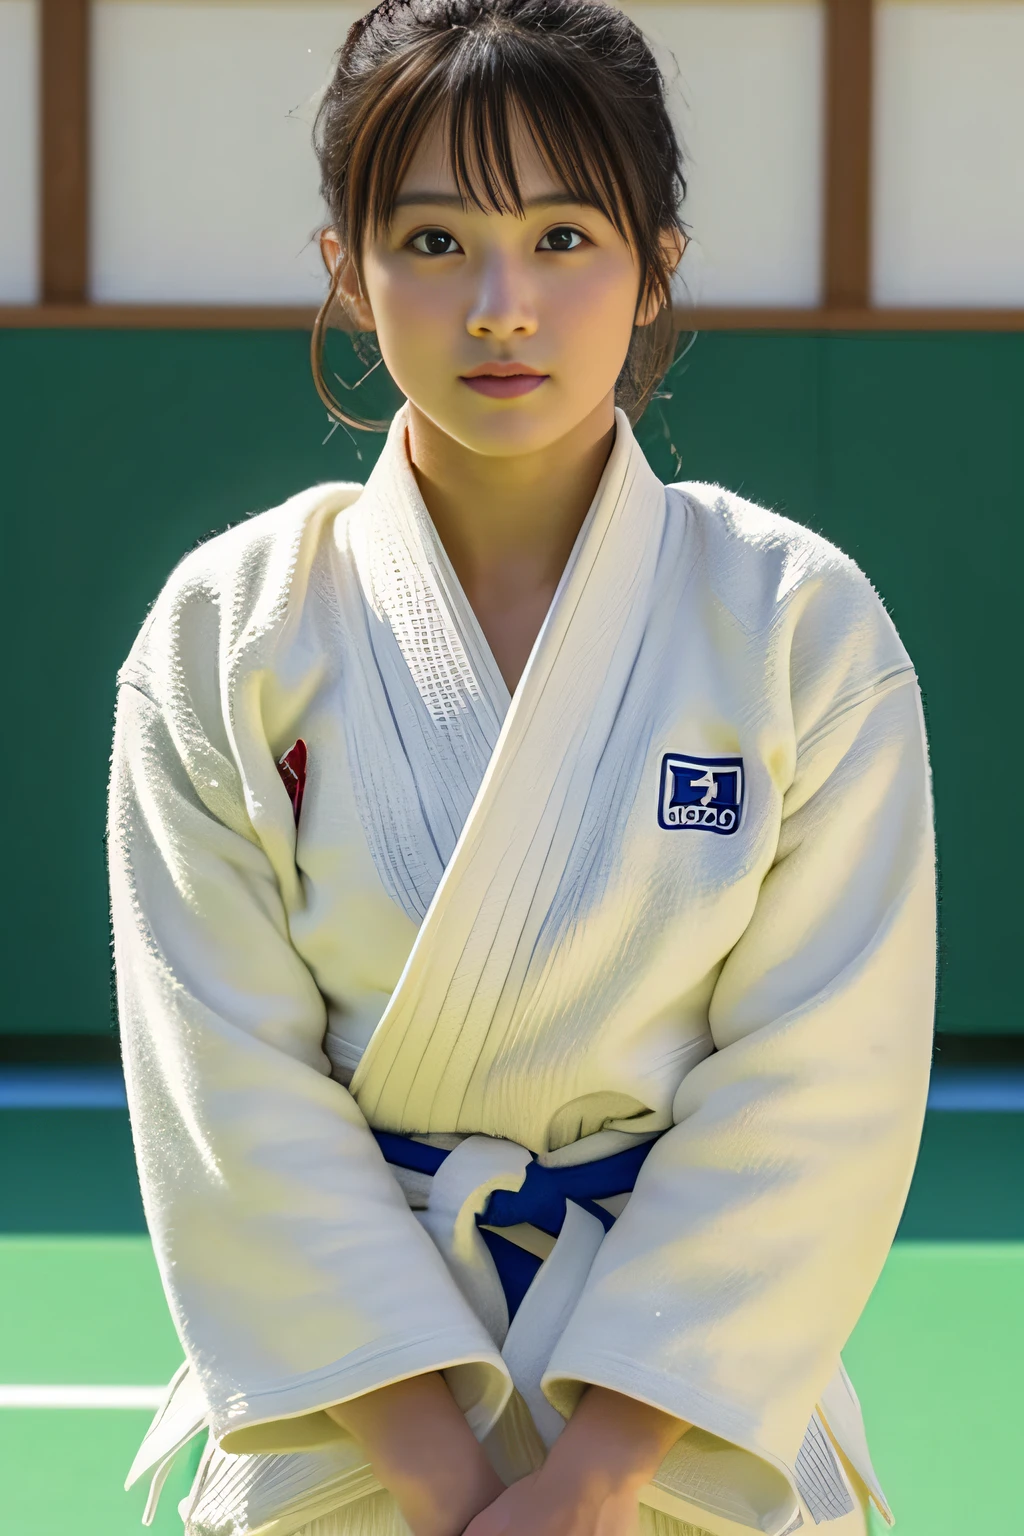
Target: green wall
[[121, 449]]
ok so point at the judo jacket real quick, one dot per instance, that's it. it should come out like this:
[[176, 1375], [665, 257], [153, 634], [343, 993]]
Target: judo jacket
[[680, 885]]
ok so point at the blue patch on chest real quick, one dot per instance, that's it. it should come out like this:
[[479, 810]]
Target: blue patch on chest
[[700, 794]]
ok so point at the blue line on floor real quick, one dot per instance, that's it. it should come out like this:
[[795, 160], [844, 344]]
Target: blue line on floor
[[87, 1087], [978, 1090], [967, 1090]]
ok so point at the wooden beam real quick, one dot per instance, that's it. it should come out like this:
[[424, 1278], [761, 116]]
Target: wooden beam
[[159, 317], [64, 136], [243, 317], [849, 71], [854, 319]]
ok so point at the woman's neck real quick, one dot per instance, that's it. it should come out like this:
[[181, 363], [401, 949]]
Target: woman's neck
[[508, 524]]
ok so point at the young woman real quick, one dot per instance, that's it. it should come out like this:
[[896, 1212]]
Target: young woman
[[522, 882]]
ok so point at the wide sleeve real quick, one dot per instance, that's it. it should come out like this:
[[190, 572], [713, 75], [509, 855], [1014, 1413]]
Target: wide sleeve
[[762, 1218], [296, 1274]]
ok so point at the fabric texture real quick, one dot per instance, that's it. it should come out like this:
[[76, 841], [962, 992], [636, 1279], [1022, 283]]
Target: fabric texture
[[378, 1515], [679, 885]]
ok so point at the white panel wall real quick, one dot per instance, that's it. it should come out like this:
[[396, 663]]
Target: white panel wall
[[204, 178], [949, 154], [746, 83], [19, 152], [204, 182]]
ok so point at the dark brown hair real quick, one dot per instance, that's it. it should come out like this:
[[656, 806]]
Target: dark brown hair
[[584, 80]]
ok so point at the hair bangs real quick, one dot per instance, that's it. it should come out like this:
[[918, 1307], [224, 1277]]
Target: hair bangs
[[476, 91], [505, 82]]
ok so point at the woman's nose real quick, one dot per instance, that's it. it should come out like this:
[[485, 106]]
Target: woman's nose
[[502, 305]]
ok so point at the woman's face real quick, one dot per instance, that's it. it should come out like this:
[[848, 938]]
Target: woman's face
[[450, 290]]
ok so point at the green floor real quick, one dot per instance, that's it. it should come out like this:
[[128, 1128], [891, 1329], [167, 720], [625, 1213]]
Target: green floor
[[81, 1311], [936, 1361], [935, 1358]]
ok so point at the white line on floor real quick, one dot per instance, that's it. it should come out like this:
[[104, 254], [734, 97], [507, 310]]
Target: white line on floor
[[81, 1397]]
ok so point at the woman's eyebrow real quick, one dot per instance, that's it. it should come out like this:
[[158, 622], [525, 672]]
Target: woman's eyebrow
[[452, 200]]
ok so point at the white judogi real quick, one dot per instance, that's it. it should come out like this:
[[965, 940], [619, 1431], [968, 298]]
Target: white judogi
[[681, 883]]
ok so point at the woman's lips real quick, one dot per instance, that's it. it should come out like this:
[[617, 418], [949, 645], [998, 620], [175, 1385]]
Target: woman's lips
[[505, 389]]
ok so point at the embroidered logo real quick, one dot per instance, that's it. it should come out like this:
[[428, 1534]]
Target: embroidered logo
[[700, 794]]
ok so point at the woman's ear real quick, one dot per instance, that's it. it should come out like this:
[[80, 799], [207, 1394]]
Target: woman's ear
[[345, 281], [673, 245]]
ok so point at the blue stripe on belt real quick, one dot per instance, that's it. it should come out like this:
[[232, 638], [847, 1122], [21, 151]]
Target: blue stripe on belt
[[540, 1201]]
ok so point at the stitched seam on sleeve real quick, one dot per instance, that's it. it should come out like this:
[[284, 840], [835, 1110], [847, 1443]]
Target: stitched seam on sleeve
[[730, 1422], [137, 685], [461, 1339], [884, 684]]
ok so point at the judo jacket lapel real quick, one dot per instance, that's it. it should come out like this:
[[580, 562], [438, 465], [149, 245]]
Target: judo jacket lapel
[[469, 970]]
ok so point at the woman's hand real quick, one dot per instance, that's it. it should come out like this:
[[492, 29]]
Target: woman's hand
[[539, 1506], [423, 1452], [590, 1483]]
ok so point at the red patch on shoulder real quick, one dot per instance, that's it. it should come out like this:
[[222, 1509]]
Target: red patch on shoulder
[[292, 768]]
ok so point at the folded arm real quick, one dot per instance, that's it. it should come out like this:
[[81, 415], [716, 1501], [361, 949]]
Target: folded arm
[[297, 1276], [761, 1220]]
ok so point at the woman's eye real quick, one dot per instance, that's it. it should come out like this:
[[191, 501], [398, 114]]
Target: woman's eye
[[435, 239], [559, 237]]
